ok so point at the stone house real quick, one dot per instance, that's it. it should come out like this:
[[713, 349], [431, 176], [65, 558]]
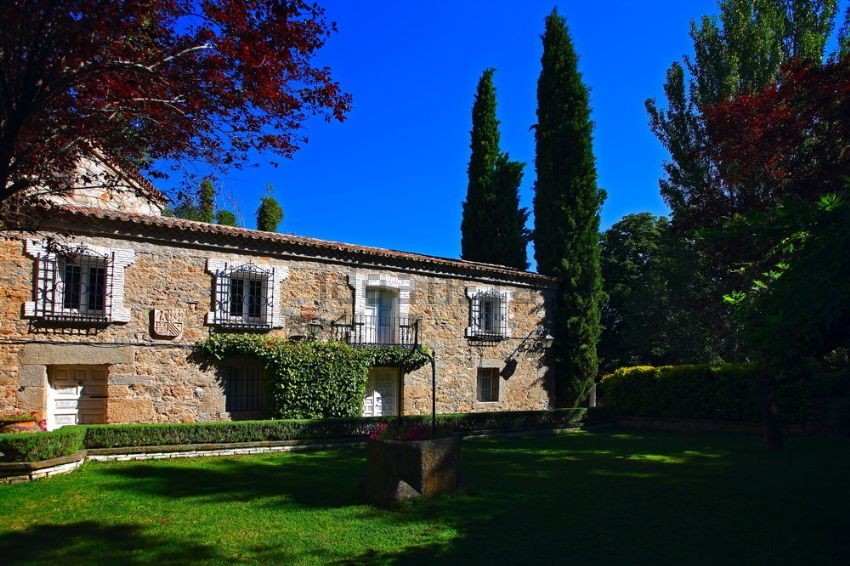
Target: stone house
[[103, 300]]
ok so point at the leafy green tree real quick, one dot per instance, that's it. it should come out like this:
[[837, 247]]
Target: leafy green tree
[[844, 37], [270, 213], [196, 204], [225, 218], [653, 279], [493, 224], [794, 147], [566, 209], [739, 52], [635, 319]]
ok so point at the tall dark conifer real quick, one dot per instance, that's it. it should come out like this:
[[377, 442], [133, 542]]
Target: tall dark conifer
[[566, 209], [493, 224], [510, 236], [207, 201]]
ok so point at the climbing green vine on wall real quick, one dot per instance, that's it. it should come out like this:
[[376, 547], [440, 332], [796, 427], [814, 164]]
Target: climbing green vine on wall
[[308, 379]]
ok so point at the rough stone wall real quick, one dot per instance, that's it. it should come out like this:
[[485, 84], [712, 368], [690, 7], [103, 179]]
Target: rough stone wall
[[16, 273], [164, 380], [97, 185]]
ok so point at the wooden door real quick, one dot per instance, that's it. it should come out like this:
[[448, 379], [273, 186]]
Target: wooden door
[[77, 395], [381, 393]]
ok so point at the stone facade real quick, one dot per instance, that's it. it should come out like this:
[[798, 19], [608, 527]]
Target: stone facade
[[161, 378]]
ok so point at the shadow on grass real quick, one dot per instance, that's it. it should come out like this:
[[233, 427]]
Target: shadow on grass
[[325, 479], [581, 498], [92, 542]]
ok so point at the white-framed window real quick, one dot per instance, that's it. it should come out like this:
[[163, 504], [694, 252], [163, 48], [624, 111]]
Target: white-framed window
[[381, 310], [78, 283], [81, 284], [487, 385], [488, 314], [245, 295]]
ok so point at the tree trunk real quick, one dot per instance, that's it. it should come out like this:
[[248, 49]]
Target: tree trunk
[[766, 391]]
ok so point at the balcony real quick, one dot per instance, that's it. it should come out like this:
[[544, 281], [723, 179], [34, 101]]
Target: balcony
[[367, 330]]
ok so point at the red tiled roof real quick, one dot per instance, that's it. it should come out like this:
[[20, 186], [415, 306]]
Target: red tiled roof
[[131, 175], [309, 246]]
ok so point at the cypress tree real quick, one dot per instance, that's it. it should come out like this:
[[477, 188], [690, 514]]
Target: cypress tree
[[270, 213], [225, 218], [510, 237], [206, 196], [566, 209], [493, 224]]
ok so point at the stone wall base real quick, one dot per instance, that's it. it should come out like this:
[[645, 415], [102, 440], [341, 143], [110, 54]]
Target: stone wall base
[[163, 455], [17, 472]]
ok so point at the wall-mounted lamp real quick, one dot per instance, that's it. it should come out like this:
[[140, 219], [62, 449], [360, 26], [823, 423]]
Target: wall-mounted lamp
[[547, 341]]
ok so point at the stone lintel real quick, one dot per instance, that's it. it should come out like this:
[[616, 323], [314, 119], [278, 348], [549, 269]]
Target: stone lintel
[[74, 354]]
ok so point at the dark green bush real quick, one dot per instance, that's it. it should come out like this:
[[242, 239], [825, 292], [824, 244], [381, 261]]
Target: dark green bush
[[311, 380], [597, 415], [32, 447], [118, 436], [721, 392]]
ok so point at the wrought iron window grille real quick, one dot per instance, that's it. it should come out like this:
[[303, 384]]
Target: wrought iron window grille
[[488, 316], [75, 285], [243, 297], [243, 389]]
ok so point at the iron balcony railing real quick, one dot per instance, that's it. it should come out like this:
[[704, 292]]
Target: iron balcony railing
[[365, 330]]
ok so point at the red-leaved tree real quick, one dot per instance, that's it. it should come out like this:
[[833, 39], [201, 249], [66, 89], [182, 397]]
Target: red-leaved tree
[[790, 140], [210, 80], [786, 150]]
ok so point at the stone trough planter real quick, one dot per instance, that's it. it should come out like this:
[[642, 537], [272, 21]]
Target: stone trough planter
[[7, 427], [398, 470]]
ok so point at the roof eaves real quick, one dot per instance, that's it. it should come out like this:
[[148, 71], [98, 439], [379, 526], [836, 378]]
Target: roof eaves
[[319, 247]]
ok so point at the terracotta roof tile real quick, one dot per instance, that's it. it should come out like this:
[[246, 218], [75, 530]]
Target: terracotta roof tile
[[311, 246]]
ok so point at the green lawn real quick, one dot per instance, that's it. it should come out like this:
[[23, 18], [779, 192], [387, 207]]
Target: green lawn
[[615, 498]]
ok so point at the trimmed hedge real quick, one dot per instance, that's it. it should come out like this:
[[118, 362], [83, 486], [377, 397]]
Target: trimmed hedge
[[120, 436], [720, 392], [71, 439], [32, 447]]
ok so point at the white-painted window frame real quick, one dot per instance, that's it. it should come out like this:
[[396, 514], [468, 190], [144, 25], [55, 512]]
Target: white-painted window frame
[[224, 273], [45, 255]]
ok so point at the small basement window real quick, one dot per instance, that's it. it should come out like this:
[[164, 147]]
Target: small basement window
[[487, 385]]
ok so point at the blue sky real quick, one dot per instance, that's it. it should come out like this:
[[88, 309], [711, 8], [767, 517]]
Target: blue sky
[[393, 175]]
